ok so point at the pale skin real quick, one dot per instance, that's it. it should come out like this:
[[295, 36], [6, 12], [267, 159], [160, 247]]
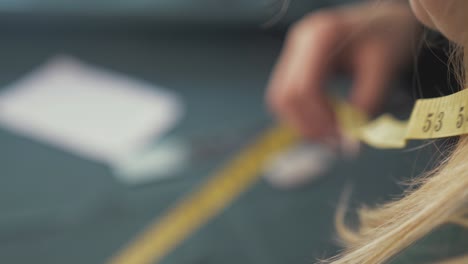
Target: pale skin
[[371, 41], [449, 17]]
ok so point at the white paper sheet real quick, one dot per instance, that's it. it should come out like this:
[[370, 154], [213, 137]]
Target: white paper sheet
[[91, 112]]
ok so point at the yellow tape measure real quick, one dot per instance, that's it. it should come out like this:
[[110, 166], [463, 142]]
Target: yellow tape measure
[[431, 118], [198, 207]]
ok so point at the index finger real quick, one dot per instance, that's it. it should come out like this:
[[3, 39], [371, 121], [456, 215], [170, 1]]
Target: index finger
[[308, 57]]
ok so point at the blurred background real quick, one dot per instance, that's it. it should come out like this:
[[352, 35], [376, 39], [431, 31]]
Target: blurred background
[[160, 14], [215, 56]]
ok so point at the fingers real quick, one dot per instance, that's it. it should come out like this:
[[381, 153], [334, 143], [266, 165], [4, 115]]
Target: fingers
[[295, 92], [314, 49]]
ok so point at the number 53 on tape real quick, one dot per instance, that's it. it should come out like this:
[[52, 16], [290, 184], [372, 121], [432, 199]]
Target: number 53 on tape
[[431, 118]]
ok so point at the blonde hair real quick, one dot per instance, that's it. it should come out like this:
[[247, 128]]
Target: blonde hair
[[437, 198]]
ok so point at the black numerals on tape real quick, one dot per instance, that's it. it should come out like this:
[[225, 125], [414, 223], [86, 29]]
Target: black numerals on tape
[[438, 124], [461, 117], [433, 121]]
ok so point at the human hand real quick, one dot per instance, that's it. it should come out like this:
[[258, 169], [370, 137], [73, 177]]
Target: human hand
[[370, 41]]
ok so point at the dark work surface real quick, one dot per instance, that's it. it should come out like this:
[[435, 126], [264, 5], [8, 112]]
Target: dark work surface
[[57, 208]]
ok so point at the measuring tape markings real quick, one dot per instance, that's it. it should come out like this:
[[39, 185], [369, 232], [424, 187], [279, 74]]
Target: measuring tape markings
[[431, 118], [439, 117]]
